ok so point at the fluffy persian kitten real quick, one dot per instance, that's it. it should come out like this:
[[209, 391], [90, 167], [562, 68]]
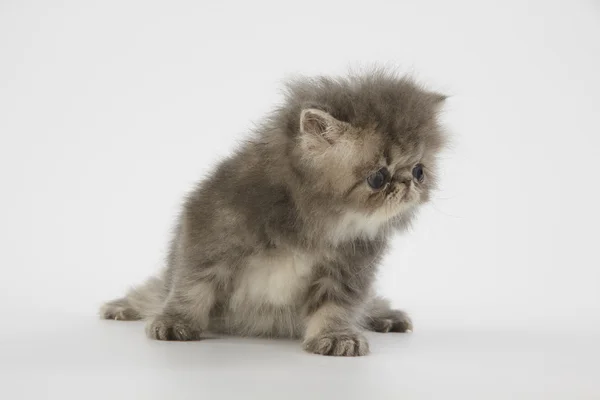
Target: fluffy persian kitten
[[284, 238]]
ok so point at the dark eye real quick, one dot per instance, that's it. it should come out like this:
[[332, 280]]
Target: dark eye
[[418, 172], [378, 179]]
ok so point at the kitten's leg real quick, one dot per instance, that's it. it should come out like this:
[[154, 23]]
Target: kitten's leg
[[186, 312], [380, 317], [120, 310], [333, 312], [140, 302]]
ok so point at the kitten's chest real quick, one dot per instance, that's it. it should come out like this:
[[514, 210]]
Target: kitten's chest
[[279, 279]]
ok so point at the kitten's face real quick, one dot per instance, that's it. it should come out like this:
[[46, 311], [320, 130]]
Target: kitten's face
[[375, 172]]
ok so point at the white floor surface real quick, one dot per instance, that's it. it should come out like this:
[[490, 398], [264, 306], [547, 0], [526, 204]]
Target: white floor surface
[[63, 357]]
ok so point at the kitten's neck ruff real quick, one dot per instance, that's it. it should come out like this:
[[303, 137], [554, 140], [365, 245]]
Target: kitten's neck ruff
[[352, 225], [329, 228]]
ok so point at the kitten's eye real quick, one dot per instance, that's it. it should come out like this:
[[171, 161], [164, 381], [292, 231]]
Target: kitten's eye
[[418, 172], [378, 179]]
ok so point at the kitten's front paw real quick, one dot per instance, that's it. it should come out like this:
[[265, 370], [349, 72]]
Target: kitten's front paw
[[169, 328], [349, 344], [396, 321]]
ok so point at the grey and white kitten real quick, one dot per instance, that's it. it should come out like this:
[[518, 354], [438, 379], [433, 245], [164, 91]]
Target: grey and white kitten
[[284, 238]]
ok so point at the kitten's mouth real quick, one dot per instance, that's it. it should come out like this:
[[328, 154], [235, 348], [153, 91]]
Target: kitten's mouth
[[401, 199], [408, 196], [401, 195]]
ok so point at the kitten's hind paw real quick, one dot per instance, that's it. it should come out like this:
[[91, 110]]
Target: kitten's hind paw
[[396, 321], [119, 310], [168, 328], [348, 344]]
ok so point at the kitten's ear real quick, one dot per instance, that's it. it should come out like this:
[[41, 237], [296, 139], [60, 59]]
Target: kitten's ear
[[319, 123]]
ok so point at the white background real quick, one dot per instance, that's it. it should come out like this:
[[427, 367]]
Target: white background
[[110, 111]]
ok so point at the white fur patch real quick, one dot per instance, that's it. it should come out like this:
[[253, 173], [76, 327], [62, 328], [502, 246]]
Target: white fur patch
[[273, 279], [353, 225]]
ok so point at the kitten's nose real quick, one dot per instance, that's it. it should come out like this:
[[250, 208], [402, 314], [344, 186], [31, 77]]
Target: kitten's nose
[[404, 179]]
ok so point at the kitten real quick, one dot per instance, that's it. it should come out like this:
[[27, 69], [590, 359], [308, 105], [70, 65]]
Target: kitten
[[284, 238]]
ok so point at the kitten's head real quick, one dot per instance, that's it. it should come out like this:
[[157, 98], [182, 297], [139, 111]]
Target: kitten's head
[[367, 143]]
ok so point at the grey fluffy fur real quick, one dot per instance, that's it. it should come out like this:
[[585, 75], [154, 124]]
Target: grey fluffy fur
[[285, 236]]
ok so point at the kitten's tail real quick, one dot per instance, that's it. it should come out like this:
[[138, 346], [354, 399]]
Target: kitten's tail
[[141, 302]]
